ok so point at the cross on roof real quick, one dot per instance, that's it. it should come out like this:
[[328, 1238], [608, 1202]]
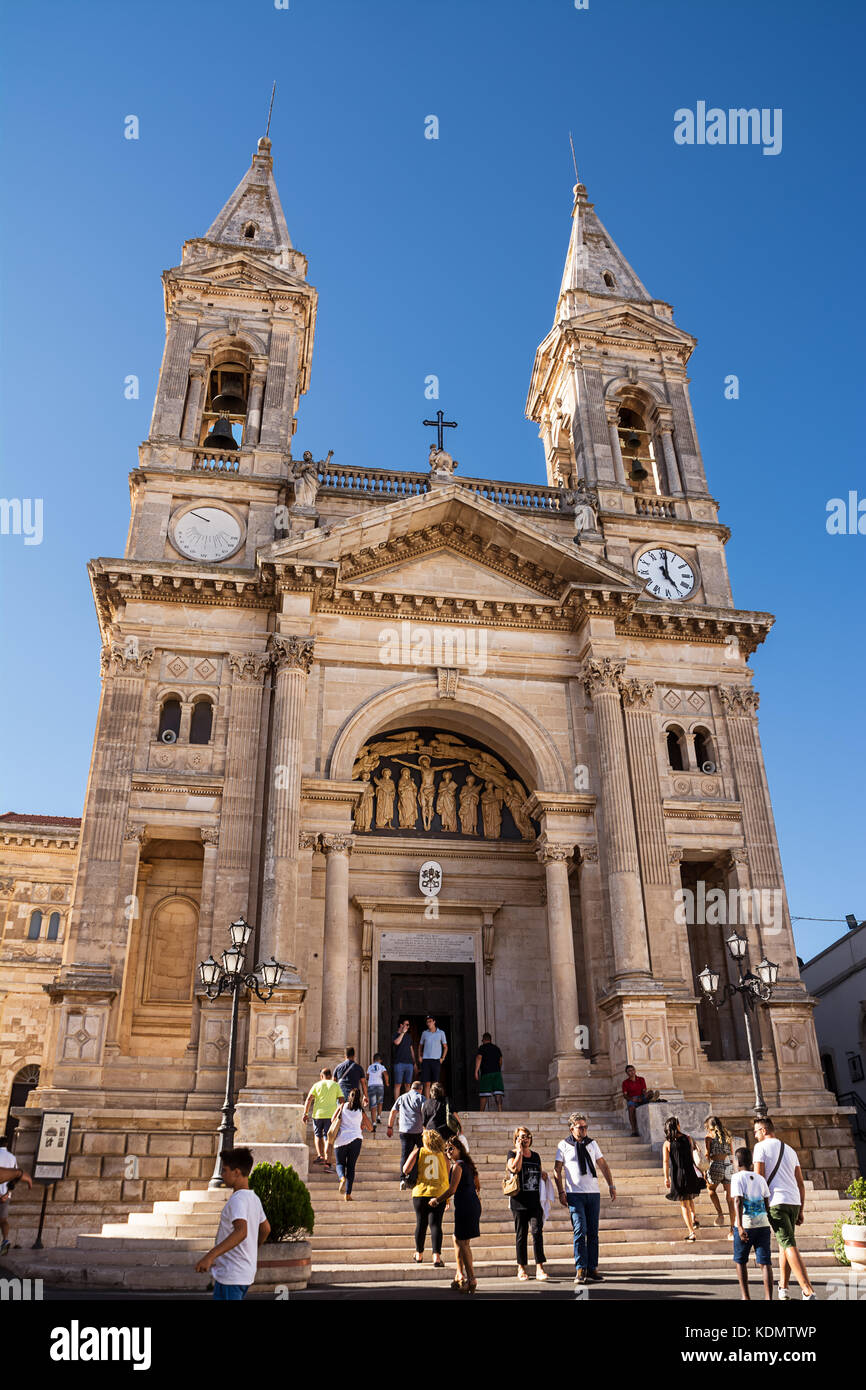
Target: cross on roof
[[440, 424]]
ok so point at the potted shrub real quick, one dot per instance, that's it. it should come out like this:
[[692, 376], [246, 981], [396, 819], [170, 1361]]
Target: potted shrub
[[284, 1260], [849, 1232]]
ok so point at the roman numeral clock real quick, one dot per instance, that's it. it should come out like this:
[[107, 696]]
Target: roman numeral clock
[[666, 573]]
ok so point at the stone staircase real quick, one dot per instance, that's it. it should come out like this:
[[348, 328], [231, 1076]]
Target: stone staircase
[[371, 1238], [155, 1250]]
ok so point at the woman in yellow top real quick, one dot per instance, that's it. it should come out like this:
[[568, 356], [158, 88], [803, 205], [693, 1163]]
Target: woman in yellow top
[[432, 1180]]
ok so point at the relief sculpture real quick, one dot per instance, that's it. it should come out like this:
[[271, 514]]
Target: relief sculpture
[[439, 776]]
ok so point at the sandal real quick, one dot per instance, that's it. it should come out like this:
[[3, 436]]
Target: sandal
[[521, 1273], [438, 1264], [691, 1236], [417, 1259], [457, 1285]]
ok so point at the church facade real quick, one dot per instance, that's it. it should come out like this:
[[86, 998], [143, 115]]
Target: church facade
[[319, 680]]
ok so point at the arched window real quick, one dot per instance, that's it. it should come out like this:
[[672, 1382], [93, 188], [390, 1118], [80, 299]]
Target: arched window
[[638, 453], [35, 926], [250, 231], [704, 752], [169, 719], [677, 760], [54, 926], [202, 722], [609, 280]]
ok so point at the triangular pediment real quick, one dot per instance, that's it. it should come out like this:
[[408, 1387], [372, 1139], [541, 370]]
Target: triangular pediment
[[631, 322], [491, 548], [245, 271], [448, 572]]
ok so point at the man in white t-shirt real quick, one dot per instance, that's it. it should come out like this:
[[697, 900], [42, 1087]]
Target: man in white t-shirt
[[779, 1165], [577, 1159], [7, 1160], [751, 1198], [242, 1229]]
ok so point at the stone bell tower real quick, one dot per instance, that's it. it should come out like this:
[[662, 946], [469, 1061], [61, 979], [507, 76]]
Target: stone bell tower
[[240, 321], [171, 839]]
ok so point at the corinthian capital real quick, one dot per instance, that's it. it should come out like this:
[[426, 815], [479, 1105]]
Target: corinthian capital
[[128, 658], [291, 653], [338, 844], [248, 667], [635, 692], [602, 674], [549, 852], [739, 699]]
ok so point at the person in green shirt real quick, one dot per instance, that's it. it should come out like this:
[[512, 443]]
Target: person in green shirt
[[323, 1098]]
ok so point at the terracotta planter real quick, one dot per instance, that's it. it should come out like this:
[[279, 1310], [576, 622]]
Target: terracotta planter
[[285, 1265], [855, 1246]]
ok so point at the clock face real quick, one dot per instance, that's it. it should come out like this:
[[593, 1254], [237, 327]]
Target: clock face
[[666, 573], [207, 533]]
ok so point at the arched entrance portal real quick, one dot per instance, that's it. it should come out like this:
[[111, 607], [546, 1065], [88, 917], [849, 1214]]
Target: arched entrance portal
[[23, 1082]]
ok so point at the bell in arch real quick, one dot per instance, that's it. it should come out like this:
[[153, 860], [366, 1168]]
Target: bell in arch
[[221, 436], [231, 398]]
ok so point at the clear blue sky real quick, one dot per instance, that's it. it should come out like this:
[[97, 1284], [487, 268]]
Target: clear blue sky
[[445, 257]]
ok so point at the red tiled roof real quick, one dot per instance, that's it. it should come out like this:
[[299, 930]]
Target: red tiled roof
[[39, 820]]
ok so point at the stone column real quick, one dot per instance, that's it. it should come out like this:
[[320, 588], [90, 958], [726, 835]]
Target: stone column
[[292, 658], [335, 966], [173, 380], [740, 704], [560, 941], [612, 412], [237, 816], [642, 739], [194, 403], [93, 934], [253, 426], [666, 430], [129, 913], [628, 923]]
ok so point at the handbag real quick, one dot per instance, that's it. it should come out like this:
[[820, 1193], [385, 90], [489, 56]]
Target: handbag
[[510, 1183], [333, 1131]]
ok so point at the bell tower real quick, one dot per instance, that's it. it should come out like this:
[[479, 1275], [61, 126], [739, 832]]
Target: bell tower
[[610, 394], [240, 321]]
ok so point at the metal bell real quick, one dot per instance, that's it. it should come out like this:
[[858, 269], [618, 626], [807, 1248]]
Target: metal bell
[[231, 400], [221, 436]]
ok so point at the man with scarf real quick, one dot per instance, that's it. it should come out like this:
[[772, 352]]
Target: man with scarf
[[578, 1159]]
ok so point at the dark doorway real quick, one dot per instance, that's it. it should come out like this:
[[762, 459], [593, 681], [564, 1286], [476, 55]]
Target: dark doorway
[[414, 990], [22, 1084]]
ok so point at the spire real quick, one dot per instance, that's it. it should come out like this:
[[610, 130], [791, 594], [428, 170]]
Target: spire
[[253, 216], [594, 264]]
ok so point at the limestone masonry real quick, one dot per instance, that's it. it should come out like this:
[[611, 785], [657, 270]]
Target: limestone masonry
[[317, 677]]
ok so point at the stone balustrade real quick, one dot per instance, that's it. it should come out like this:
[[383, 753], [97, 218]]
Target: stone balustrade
[[216, 461]]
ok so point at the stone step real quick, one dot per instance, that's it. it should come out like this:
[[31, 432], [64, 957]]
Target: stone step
[[614, 1267], [102, 1243], [359, 1260]]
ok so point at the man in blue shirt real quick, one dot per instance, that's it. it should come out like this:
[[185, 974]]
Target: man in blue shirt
[[410, 1108], [433, 1047], [350, 1075]]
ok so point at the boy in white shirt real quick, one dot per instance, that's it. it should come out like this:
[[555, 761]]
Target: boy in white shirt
[[242, 1229], [377, 1080], [751, 1198]]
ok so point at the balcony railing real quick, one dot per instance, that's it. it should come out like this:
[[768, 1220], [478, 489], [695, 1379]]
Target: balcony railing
[[647, 505], [383, 483], [219, 461]]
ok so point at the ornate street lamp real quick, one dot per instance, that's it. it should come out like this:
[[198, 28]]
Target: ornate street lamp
[[751, 988], [218, 979]]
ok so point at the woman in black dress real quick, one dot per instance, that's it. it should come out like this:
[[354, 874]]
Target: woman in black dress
[[464, 1191], [682, 1180]]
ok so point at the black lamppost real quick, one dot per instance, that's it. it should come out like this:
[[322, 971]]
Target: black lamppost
[[231, 975], [750, 988]]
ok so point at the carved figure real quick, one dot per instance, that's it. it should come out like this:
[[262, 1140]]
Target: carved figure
[[469, 795], [407, 797], [491, 811], [446, 802], [385, 790], [440, 461], [515, 799], [428, 785], [364, 811], [305, 476]]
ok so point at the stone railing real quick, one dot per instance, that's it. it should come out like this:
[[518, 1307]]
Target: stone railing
[[654, 506], [388, 485], [210, 461], [373, 482]]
